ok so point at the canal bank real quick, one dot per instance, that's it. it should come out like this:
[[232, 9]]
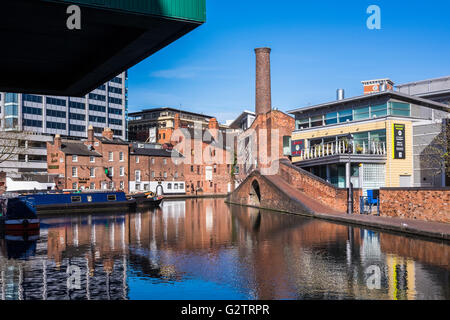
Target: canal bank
[[427, 229]]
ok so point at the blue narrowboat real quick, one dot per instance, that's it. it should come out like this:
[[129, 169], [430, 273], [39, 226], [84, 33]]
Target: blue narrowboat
[[16, 216], [47, 203]]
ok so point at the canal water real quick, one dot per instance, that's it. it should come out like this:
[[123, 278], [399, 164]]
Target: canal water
[[206, 249]]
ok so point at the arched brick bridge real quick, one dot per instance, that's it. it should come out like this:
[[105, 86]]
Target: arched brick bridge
[[292, 190]]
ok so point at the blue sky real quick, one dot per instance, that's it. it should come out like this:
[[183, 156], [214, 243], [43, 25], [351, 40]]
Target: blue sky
[[317, 47]]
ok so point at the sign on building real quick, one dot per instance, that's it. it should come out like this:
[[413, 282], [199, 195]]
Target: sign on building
[[399, 141], [297, 146]]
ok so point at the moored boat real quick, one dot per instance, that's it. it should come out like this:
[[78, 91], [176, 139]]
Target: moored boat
[[146, 199], [16, 216], [74, 202]]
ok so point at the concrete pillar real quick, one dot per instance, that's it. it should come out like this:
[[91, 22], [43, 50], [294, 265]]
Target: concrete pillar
[[263, 101], [347, 174]]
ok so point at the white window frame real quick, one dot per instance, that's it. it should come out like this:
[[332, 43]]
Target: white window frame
[[74, 158], [137, 173], [137, 159], [121, 171], [92, 159], [121, 156], [92, 172], [76, 172], [110, 156]]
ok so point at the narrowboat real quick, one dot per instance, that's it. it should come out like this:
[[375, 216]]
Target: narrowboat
[[76, 202], [146, 199], [16, 216]]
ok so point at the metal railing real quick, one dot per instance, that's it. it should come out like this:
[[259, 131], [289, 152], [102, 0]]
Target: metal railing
[[342, 148]]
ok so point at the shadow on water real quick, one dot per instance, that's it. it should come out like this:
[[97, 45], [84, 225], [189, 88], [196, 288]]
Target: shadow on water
[[205, 249]]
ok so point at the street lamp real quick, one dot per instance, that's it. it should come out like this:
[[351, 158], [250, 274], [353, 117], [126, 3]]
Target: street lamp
[[348, 172]]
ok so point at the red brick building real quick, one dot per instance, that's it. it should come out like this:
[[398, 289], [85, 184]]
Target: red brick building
[[157, 125], [208, 157], [97, 163], [156, 169]]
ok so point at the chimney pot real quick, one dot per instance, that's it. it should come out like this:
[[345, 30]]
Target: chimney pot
[[57, 141], [90, 133], [108, 133]]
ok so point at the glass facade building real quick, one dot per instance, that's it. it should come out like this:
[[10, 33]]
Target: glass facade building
[[105, 106]]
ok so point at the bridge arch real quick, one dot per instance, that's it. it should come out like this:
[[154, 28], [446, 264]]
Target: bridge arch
[[255, 194]]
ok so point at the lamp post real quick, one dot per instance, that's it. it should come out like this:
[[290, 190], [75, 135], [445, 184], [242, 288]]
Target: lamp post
[[348, 172]]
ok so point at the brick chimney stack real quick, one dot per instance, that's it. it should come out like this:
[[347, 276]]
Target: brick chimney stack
[[263, 101], [213, 128], [57, 141], [90, 133], [213, 124], [176, 121], [108, 133]]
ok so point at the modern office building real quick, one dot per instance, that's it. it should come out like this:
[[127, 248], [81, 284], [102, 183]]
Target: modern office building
[[429, 131], [157, 125], [370, 140], [106, 106], [23, 153]]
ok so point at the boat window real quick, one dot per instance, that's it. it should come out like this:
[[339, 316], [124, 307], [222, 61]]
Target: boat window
[[111, 197], [76, 199]]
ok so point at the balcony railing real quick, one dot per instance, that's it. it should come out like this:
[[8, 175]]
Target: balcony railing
[[343, 148]]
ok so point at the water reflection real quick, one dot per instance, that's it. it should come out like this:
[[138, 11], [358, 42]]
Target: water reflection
[[204, 249]]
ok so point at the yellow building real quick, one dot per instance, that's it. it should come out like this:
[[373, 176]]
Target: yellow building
[[370, 140]]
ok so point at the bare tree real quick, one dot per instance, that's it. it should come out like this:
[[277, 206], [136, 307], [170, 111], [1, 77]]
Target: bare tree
[[436, 156], [10, 146]]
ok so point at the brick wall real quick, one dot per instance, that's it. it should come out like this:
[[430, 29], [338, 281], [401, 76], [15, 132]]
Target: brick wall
[[271, 196], [2, 182], [317, 188], [274, 197], [157, 164], [274, 120], [427, 204]]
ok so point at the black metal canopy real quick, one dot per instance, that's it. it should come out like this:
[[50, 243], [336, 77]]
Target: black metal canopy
[[39, 54]]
